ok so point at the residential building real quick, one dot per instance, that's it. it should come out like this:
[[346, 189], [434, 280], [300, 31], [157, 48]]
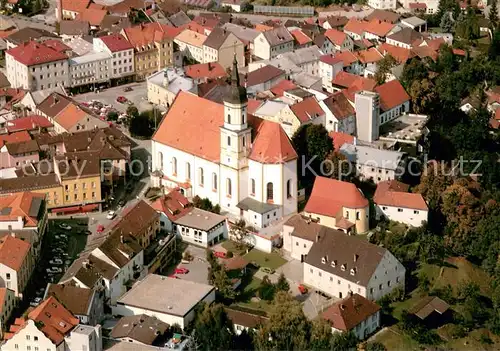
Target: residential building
[[305, 59], [172, 301], [90, 69], [245, 320], [140, 329], [394, 101], [329, 67], [262, 79], [415, 23], [190, 44], [235, 5], [301, 39], [205, 72], [201, 227], [170, 207], [33, 124], [340, 115], [379, 30], [376, 164], [355, 28], [339, 205], [85, 304], [164, 86], [299, 234], [222, 46], [122, 52], [394, 202], [335, 22], [384, 15], [272, 43], [383, 4], [7, 305], [115, 263], [138, 220], [226, 164], [246, 35], [405, 38], [35, 66], [336, 40], [426, 6], [28, 34], [340, 264], [16, 263], [70, 8], [17, 149], [50, 326], [153, 47], [354, 314]]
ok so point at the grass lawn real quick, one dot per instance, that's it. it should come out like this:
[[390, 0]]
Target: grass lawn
[[394, 339], [271, 260], [248, 291], [230, 245]]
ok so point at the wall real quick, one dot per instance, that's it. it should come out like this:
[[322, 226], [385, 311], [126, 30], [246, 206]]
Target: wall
[[408, 216], [366, 327], [78, 191], [84, 341], [37, 77], [12, 282], [231, 46], [20, 340], [146, 61], [382, 4], [377, 174], [398, 43], [261, 47], [395, 112], [8, 307], [218, 233], [388, 275], [298, 247]]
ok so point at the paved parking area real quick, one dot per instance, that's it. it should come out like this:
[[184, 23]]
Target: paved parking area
[[198, 267], [314, 304], [138, 96], [293, 271]]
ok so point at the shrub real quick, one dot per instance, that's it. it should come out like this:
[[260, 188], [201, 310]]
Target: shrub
[[229, 254]]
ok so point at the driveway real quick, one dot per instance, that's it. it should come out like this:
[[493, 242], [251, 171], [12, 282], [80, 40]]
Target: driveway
[[293, 271], [198, 267], [314, 304]]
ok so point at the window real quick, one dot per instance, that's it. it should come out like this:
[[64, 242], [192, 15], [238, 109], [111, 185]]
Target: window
[[228, 187], [28, 337], [160, 159], [35, 338], [270, 194], [347, 215], [296, 243], [357, 216], [174, 166], [415, 212], [252, 191], [400, 210], [228, 141], [380, 287], [289, 188], [229, 118], [201, 176], [8, 276], [188, 171], [311, 270], [214, 181]]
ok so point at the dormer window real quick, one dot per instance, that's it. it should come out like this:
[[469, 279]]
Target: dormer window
[[343, 267], [323, 260], [334, 263], [353, 271]]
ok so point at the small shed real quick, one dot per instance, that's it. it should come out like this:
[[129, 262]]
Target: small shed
[[431, 309]]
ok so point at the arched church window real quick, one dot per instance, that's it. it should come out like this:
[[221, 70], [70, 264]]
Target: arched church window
[[188, 171], [201, 175], [214, 181], [270, 191], [228, 141], [160, 160], [253, 186], [229, 118]]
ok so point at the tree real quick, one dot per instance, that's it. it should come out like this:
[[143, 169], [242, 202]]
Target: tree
[[321, 335], [494, 48], [344, 341], [423, 95], [447, 25], [384, 68], [287, 327], [205, 204], [266, 289], [412, 71], [112, 116], [223, 284], [375, 346], [132, 111], [493, 15], [433, 182], [213, 330], [282, 283], [239, 233], [141, 126], [337, 166], [244, 341], [468, 25]]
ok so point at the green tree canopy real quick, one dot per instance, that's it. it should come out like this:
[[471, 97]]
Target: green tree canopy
[[384, 68], [213, 330]]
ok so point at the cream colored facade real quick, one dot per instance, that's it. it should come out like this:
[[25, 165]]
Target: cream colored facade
[[224, 55], [297, 247], [37, 77], [17, 280], [153, 57], [359, 216], [84, 190], [191, 44], [26, 337], [288, 120]]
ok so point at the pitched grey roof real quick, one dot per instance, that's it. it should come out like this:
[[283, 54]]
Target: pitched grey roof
[[74, 27], [179, 19], [406, 35], [303, 55], [29, 33], [277, 36], [243, 33], [216, 38]]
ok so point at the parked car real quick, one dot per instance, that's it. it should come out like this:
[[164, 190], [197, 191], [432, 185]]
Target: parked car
[[64, 226], [54, 270], [127, 89], [267, 270], [121, 99], [56, 261], [220, 254], [121, 202], [60, 237], [36, 301], [181, 271], [111, 215], [302, 289], [100, 228]]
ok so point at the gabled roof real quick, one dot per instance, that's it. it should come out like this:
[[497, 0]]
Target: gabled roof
[[13, 138], [218, 36], [400, 54], [391, 94], [135, 219], [335, 36], [300, 37], [141, 328], [33, 53], [174, 205], [337, 21], [28, 123], [278, 36], [329, 196], [144, 34], [395, 194], [75, 5], [28, 34], [379, 28], [271, 144], [350, 312], [383, 15], [92, 15], [70, 116], [347, 57], [191, 37], [25, 205], [261, 75], [13, 252], [339, 105], [355, 26], [370, 55], [340, 139], [53, 319], [331, 59], [307, 109], [116, 42], [77, 300], [279, 88], [210, 70], [406, 35]]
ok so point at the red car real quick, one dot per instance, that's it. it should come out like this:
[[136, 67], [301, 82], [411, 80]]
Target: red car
[[220, 254], [302, 289], [121, 99], [181, 271], [100, 228], [173, 276]]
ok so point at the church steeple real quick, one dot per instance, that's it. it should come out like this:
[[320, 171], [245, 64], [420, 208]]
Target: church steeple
[[237, 94]]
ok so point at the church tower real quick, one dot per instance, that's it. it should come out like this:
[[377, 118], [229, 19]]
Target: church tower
[[235, 140], [235, 133]]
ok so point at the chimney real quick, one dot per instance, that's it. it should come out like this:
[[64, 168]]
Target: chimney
[[86, 263], [356, 257]]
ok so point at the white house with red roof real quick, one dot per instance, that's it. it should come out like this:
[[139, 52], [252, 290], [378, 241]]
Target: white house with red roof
[[16, 264], [35, 66], [340, 41], [394, 202], [329, 67], [338, 205], [394, 101], [121, 51], [209, 150]]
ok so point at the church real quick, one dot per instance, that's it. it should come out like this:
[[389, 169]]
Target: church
[[243, 163]]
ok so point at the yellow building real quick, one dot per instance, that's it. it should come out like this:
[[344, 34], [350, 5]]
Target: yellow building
[[153, 47]]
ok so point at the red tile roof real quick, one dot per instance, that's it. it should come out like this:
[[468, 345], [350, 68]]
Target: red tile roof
[[16, 137], [347, 57], [355, 26], [13, 252], [70, 116], [417, 5], [350, 312], [53, 319], [19, 205], [174, 205], [145, 34], [459, 52], [211, 70], [391, 94], [284, 85], [339, 105], [370, 55], [307, 109], [329, 196], [344, 79], [378, 27], [261, 75], [271, 144], [57, 45], [400, 54], [300, 37], [330, 59], [33, 53], [116, 42], [253, 105], [75, 5], [93, 16], [425, 51], [394, 193], [335, 36], [340, 139], [195, 27], [436, 43]]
